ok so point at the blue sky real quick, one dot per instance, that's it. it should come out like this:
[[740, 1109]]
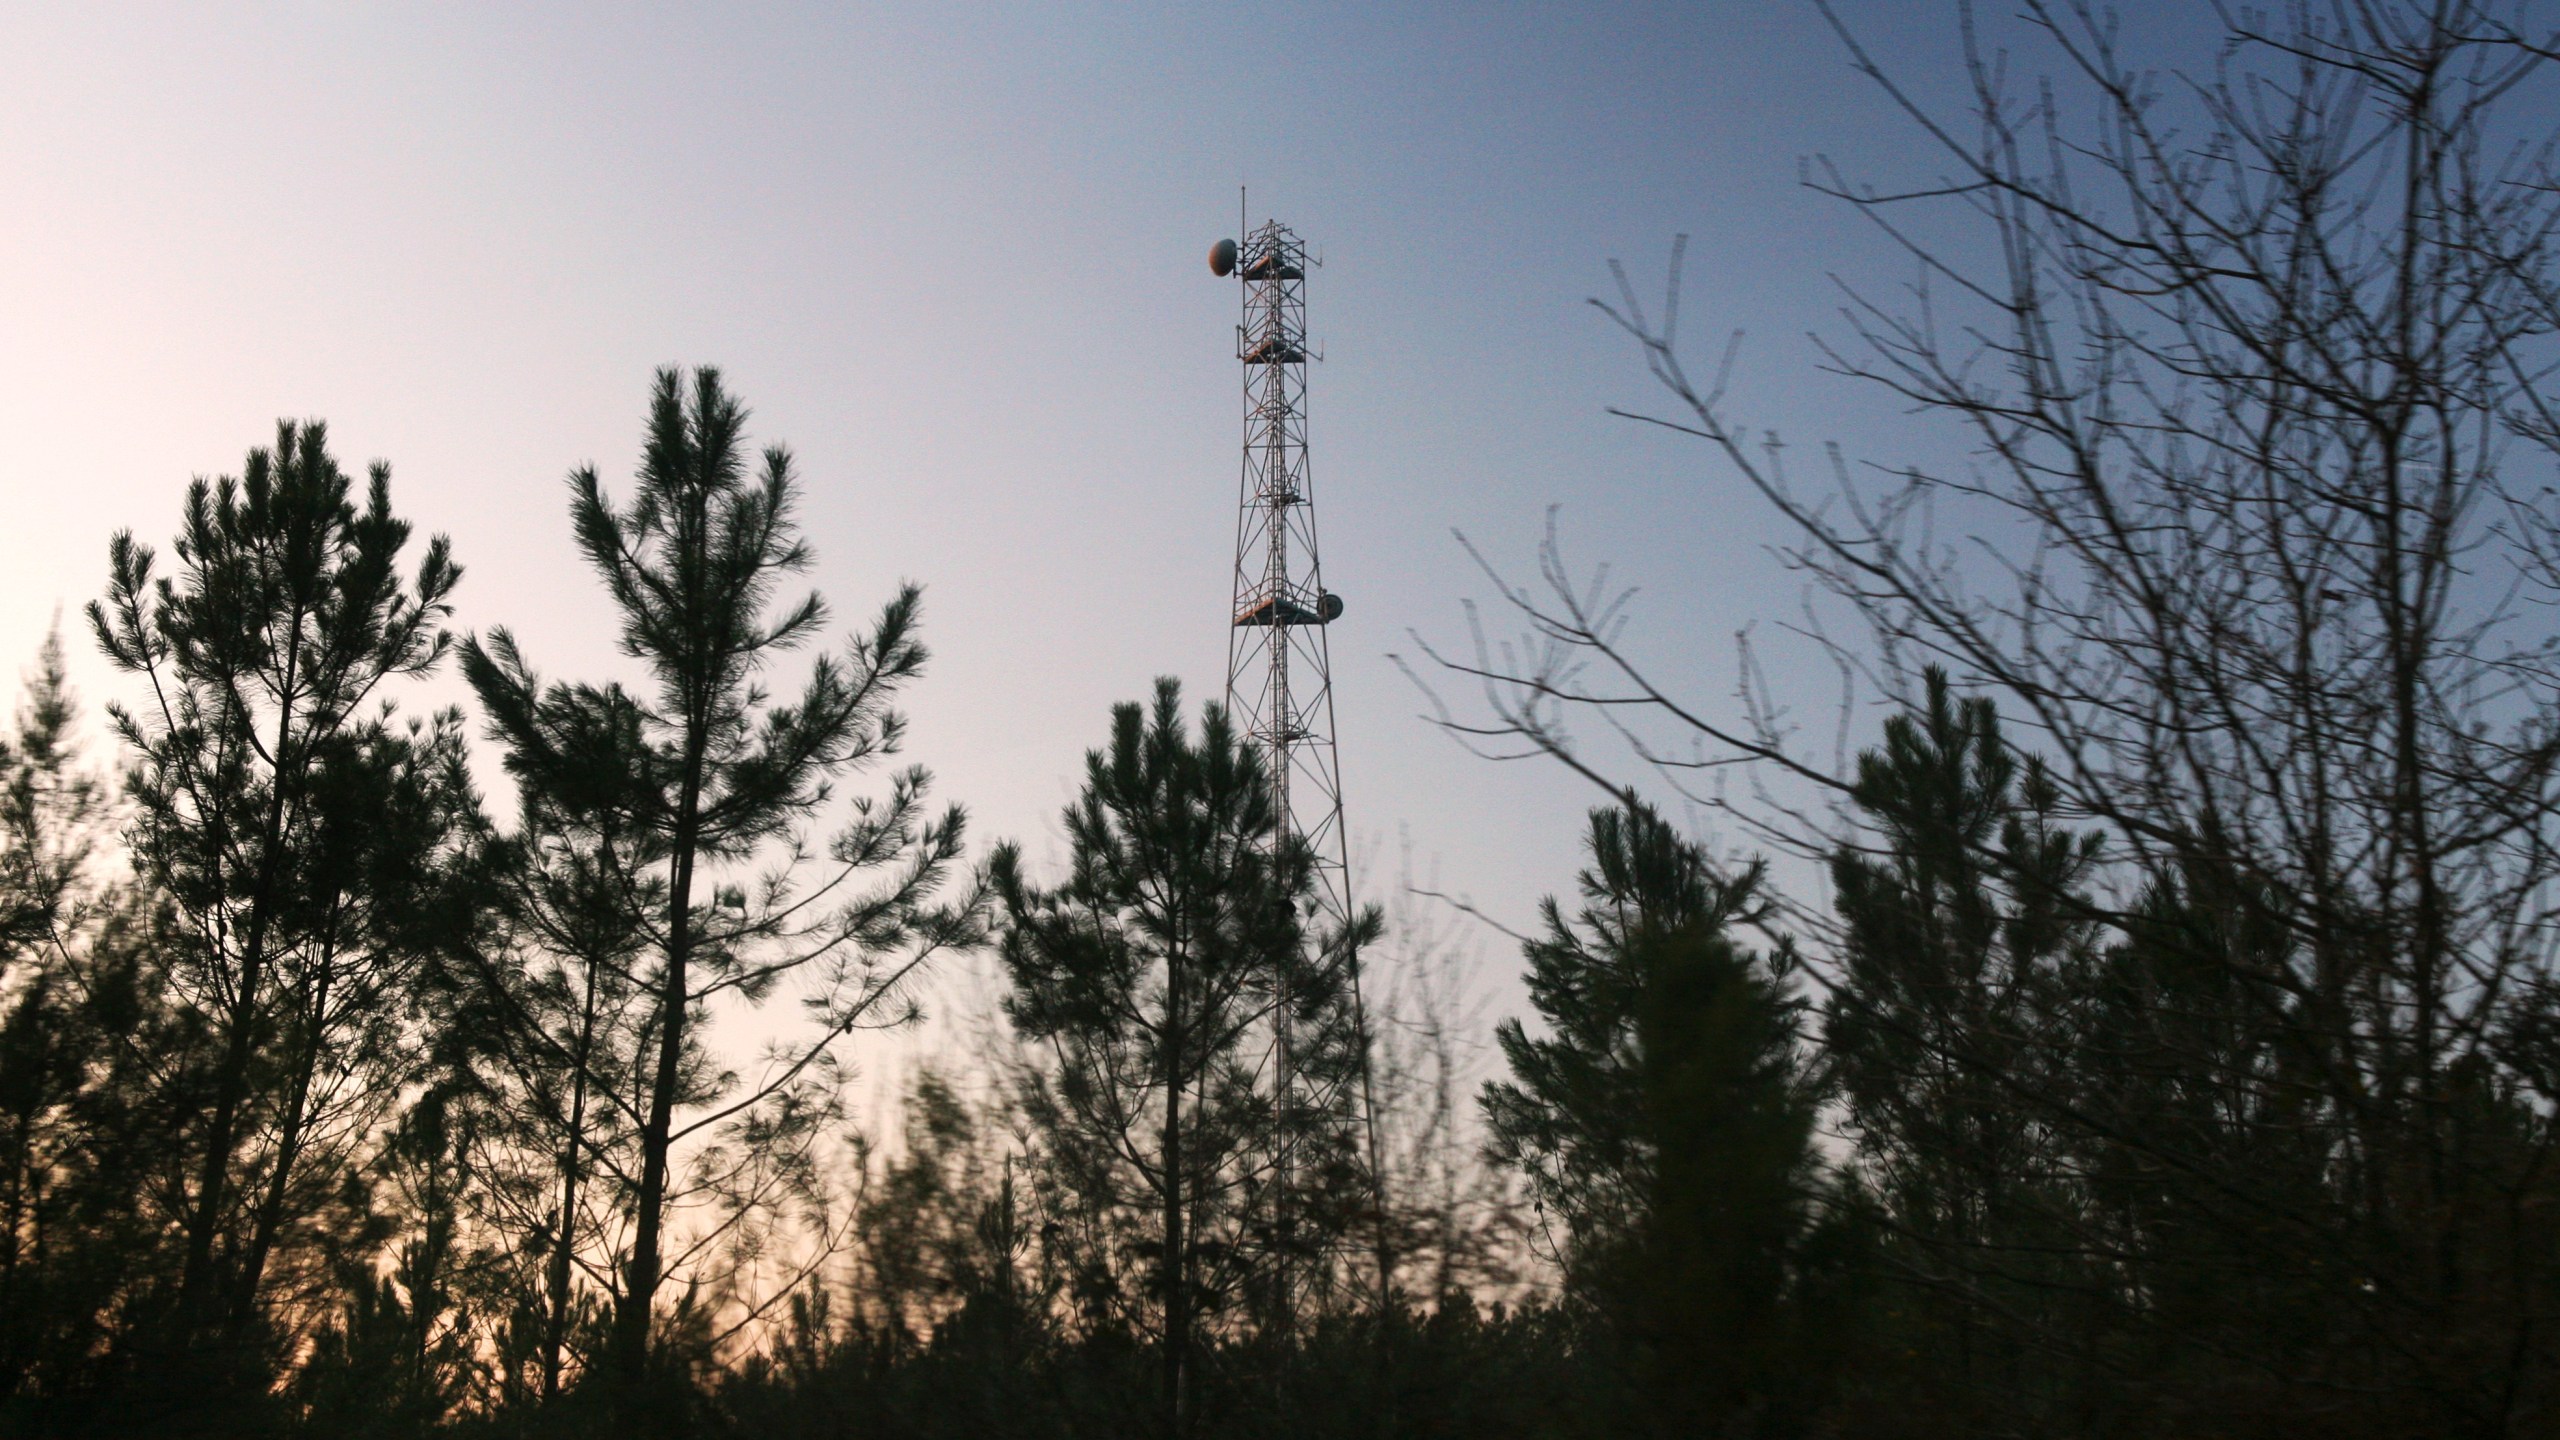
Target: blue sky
[[953, 257]]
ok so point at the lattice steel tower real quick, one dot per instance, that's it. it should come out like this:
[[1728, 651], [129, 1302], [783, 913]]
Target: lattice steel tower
[[1279, 671], [1279, 667]]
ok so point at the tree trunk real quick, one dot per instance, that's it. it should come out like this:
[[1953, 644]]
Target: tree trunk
[[1177, 1267], [196, 1281], [270, 1216], [555, 1322], [640, 1275]]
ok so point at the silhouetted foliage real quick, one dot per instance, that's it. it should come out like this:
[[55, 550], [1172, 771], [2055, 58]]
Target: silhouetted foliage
[[77, 1028], [304, 841], [1665, 1122], [664, 789], [2174, 1048], [2194, 1039], [1176, 1173]]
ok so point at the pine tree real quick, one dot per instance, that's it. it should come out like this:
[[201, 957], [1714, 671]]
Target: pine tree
[[73, 1004], [51, 815], [1665, 1122], [1965, 933], [559, 1004], [1145, 985], [700, 773], [399, 1358], [301, 834]]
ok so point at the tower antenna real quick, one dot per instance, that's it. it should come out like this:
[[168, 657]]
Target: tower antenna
[[1279, 664]]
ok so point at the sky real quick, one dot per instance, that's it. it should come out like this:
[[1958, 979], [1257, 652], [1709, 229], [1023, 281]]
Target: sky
[[954, 258]]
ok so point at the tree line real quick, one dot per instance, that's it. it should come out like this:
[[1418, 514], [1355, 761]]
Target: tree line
[[2147, 1027], [338, 1104]]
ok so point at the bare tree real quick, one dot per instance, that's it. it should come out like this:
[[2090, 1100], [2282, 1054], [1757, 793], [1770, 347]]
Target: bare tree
[[1458, 1223], [2251, 540]]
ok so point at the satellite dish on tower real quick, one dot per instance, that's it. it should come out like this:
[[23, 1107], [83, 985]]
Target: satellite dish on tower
[[1222, 259]]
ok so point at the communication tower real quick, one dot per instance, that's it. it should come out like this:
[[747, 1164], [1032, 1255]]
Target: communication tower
[[1279, 670], [1279, 666]]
